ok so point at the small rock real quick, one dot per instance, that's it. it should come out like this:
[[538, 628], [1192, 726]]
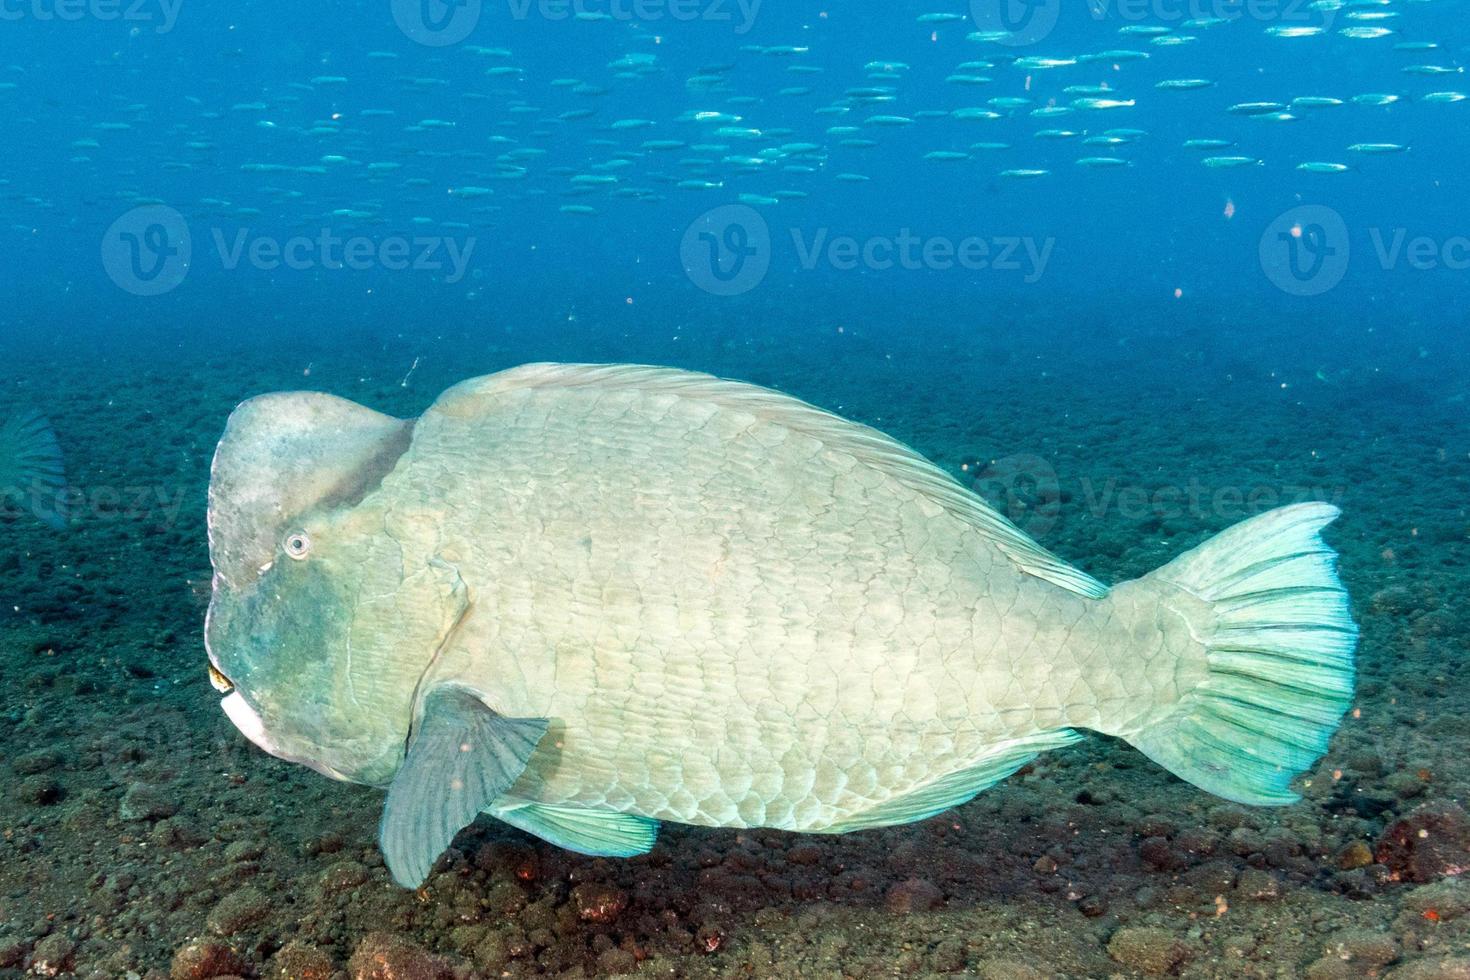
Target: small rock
[[298, 961], [1258, 885], [1364, 947], [1447, 968], [13, 951], [384, 956], [53, 956], [38, 761], [244, 850], [1442, 901], [616, 962], [804, 854], [204, 960], [1356, 855], [238, 911], [1431, 841], [38, 790], [1147, 949], [913, 895], [143, 801], [1006, 970], [948, 956], [598, 903], [343, 876]]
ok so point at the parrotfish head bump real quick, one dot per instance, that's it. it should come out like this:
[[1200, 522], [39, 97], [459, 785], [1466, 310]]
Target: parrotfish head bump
[[320, 621]]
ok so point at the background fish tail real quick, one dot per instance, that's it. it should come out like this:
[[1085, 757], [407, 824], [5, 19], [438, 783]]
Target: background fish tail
[[1278, 649], [31, 472]]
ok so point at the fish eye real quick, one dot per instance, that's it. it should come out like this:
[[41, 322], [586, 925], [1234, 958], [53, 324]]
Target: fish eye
[[297, 545]]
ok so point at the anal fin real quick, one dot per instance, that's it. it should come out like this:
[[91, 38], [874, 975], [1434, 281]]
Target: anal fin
[[957, 787], [597, 833]]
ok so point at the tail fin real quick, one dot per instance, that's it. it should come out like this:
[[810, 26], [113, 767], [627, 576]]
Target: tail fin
[[1280, 658], [30, 467]]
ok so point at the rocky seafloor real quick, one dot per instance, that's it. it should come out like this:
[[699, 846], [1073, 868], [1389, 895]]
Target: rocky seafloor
[[141, 836]]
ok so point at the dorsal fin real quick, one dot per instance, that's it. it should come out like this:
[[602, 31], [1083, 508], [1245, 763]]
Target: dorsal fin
[[867, 445]]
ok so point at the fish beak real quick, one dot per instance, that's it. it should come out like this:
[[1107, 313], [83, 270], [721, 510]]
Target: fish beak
[[219, 681]]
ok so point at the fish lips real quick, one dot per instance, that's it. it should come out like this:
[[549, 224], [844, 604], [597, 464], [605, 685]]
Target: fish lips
[[242, 715]]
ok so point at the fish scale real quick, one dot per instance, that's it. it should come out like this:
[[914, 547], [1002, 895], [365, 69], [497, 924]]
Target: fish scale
[[877, 610], [585, 599]]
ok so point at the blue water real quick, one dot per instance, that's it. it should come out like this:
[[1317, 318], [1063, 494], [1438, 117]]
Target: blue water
[[203, 202]]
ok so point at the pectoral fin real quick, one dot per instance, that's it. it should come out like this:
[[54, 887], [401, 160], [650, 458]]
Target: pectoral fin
[[461, 756]]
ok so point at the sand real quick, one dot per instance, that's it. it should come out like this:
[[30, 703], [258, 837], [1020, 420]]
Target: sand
[[141, 836]]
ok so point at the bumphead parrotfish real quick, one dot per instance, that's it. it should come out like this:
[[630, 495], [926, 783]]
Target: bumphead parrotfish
[[586, 599]]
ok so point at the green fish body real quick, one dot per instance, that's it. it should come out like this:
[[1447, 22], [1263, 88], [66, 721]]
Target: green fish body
[[591, 598]]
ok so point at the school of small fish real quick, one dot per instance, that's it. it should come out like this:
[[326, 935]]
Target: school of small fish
[[315, 153]]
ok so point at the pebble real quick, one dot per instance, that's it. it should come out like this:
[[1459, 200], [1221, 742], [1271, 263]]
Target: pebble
[[238, 911], [203, 960], [1258, 885], [385, 956], [298, 961], [1442, 901], [616, 962], [39, 790], [1368, 949], [53, 956], [1147, 949], [1447, 968], [913, 895], [244, 850], [1430, 842], [992, 969], [144, 801], [597, 902], [38, 761], [1356, 855]]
